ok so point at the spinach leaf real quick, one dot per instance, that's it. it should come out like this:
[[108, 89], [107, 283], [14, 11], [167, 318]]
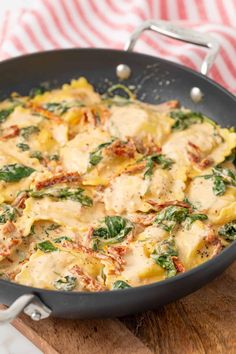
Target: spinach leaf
[[23, 147], [27, 131], [96, 156], [232, 157], [187, 201], [46, 246], [15, 172], [61, 239], [8, 213], [37, 155], [228, 176], [54, 157], [61, 107], [32, 231], [172, 215], [165, 261], [219, 186], [4, 113], [114, 229], [184, 119], [228, 231], [67, 283], [38, 90], [163, 256], [222, 177], [119, 90], [51, 228], [194, 217], [158, 159], [120, 284], [76, 194]]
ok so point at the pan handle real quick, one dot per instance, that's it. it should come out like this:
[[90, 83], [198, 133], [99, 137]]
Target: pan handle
[[30, 304], [171, 30]]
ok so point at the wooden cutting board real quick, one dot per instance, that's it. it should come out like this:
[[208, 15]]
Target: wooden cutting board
[[203, 322]]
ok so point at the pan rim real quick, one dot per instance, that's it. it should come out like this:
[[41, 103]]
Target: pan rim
[[123, 52], [192, 272], [148, 287]]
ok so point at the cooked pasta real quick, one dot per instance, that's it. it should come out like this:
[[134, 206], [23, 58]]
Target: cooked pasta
[[104, 192]]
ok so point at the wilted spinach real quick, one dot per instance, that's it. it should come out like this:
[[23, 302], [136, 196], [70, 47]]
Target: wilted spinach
[[228, 231], [61, 239], [4, 113], [66, 283], [232, 157], [51, 228], [46, 246], [184, 119], [76, 194], [27, 131], [61, 107], [113, 230], [172, 215], [120, 284], [54, 157], [96, 156], [37, 155], [15, 172], [163, 254], [157, 159], [38, 90], [7, 213], [23, 147], [222, 177]]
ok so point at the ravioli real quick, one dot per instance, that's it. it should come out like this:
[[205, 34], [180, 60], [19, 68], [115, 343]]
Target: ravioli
[[199, 143], [192, 245], [56, 265], [130, 199], [76, 154], [104, 192], [220, 209], [137, 121], [140, 269]]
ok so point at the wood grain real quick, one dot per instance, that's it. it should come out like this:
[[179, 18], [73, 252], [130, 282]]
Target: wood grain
[[80, 337], [203, 322]]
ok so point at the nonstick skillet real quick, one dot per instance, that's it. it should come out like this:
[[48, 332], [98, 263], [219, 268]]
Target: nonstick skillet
[[152, 77]]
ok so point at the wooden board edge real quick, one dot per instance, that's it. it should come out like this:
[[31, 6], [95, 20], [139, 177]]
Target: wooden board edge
[[28, 328]]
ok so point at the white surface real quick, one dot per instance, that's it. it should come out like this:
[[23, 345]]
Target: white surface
[[15, 5], [13, 342]]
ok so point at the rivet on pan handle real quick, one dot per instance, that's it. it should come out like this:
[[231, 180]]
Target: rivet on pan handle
[[30, 304]]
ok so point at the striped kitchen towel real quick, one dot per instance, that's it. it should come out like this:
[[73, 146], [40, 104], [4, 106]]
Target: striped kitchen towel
[[49, 24]]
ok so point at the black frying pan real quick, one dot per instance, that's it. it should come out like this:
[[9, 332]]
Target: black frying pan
[[99, 67]]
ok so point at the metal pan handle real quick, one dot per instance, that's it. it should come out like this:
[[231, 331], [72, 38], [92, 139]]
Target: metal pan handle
[[30, 304], [171, 30]]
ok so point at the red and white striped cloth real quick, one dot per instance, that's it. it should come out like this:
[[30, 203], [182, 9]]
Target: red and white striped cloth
[[108, 23]]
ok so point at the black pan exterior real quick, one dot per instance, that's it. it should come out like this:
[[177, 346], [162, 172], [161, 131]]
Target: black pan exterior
[[123, 302], [159, 79], [156, 80]]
